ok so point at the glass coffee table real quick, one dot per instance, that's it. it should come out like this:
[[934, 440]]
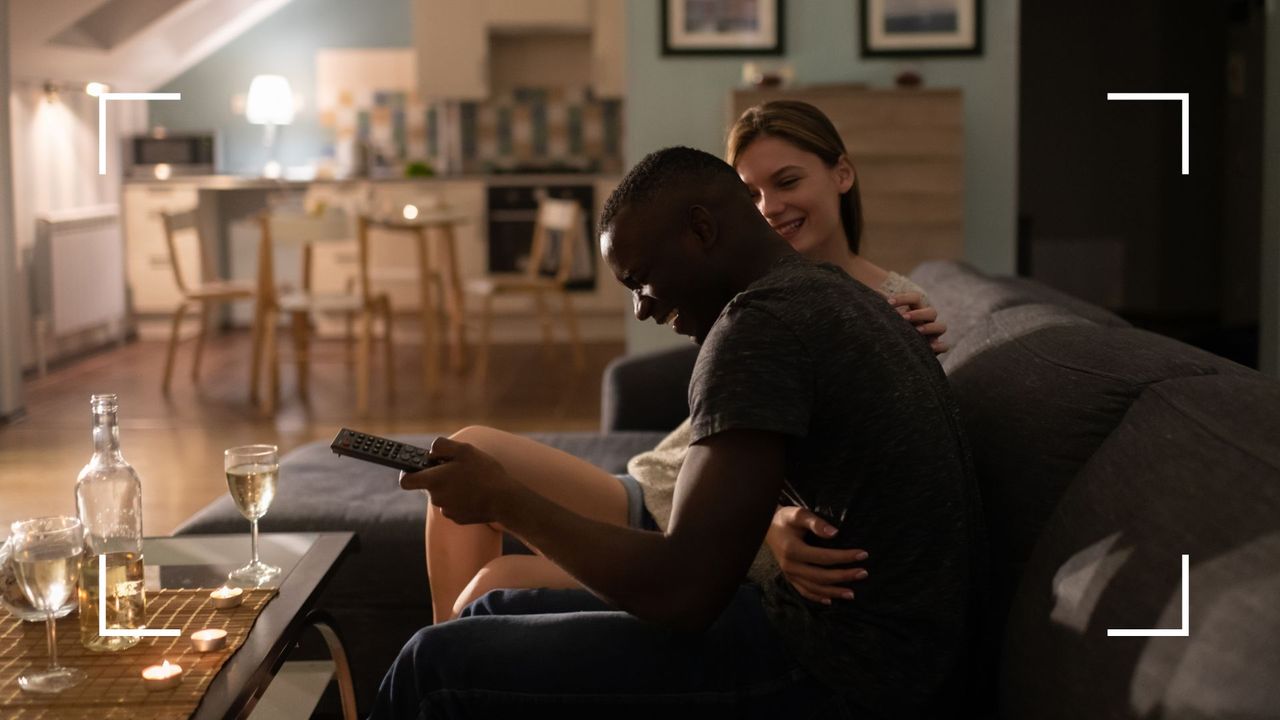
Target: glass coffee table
[[307, 561]]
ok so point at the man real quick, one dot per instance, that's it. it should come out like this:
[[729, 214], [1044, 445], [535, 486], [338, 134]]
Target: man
[[804, 377]]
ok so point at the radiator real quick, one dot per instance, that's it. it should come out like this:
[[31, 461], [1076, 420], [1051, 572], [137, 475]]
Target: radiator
[[77, 283]]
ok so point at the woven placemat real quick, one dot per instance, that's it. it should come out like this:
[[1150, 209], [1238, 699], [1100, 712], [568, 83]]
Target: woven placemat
[[114, 688]]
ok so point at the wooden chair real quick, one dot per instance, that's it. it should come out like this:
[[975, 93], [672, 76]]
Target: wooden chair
[[564, 219], [206, 294], [330, 225]]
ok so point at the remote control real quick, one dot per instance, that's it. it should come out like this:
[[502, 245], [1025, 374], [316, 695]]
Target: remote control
[[381, 451]]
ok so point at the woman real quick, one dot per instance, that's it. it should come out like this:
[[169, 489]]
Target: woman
[[795, 164]]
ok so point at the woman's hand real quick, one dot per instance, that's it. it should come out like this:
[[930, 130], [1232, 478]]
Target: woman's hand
[[806, 566], [910, 305]]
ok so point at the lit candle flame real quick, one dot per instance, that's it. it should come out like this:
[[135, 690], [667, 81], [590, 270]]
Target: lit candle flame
[[162, 672]]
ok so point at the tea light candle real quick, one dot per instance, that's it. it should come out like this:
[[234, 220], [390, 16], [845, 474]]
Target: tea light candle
[[162, 677], [209, 640], [225, 598]]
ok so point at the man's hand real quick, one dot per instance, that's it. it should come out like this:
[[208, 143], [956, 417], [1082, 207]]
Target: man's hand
[[469, 486], [925, 319], [807, 567]]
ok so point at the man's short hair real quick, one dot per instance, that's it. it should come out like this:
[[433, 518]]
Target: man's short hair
[[672, 168]]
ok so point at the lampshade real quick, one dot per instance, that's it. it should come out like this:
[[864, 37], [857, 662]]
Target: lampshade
[[270, 101]]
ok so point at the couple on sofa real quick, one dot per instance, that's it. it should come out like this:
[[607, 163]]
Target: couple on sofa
[[820, 423]]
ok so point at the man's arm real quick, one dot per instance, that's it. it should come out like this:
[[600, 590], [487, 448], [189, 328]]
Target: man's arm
[[725, 496]]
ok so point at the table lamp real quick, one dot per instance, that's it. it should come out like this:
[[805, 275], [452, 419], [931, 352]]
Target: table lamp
[[270, 103]]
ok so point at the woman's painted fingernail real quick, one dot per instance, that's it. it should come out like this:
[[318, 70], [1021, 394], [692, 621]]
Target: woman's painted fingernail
[[861, 556], [828, 530], [847, 595], [860, 575]]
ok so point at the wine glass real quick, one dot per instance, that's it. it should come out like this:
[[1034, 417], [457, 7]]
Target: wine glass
[[46, 556], [251, 478]]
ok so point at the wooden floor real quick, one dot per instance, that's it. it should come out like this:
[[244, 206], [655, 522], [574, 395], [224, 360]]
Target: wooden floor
[[176, 443]]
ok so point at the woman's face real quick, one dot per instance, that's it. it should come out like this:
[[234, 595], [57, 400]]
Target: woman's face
[[798, 194]]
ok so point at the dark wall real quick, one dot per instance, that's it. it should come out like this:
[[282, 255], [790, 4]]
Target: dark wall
[[1242, 163], [1093, 171]]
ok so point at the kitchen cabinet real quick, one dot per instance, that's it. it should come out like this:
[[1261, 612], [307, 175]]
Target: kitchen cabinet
[[150, 275], [452, 41], [538, 14], [608, 48]]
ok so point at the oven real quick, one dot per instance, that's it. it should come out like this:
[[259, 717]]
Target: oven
[[513, 210]]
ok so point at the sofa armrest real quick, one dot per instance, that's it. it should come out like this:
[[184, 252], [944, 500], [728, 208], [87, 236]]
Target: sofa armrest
[[647, 391]]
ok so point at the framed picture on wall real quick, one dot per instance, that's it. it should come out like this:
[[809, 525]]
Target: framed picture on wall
[[722, 27], [921, 27]]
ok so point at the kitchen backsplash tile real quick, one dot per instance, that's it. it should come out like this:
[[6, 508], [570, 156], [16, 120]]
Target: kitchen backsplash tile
[[528, 127], [541, 126]]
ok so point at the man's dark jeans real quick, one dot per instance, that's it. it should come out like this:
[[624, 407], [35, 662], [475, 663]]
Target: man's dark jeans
[[564, 653]]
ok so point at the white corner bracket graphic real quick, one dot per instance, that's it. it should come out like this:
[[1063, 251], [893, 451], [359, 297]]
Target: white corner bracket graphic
[[103, 630], [1183, 631], [102, 118], [1185, 99]]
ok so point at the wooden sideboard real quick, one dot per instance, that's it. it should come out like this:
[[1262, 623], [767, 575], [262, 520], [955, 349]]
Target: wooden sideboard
[[908, 149]]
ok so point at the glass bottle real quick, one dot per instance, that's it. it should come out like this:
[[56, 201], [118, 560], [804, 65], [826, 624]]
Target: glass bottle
[[109, 501]]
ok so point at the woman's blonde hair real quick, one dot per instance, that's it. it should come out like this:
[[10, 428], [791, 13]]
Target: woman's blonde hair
[[806, 127]]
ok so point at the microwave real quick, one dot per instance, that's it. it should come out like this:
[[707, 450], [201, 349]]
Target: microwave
[[161, 155]]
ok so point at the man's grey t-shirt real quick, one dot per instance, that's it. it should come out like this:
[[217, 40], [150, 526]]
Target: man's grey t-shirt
[[873, 434]]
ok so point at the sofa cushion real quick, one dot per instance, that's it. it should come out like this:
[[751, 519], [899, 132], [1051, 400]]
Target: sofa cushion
[[1003, 326], [647, 391], [965, 298], [1040, 293], [1039, 391], [1194, 468]]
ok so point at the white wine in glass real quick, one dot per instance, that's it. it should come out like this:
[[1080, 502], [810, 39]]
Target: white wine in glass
[[251, 478], [46, 556]]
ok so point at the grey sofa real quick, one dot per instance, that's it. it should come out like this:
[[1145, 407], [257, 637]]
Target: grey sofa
[[1105, 453]]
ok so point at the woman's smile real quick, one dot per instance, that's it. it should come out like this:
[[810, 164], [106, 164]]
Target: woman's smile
[[788, 228]]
